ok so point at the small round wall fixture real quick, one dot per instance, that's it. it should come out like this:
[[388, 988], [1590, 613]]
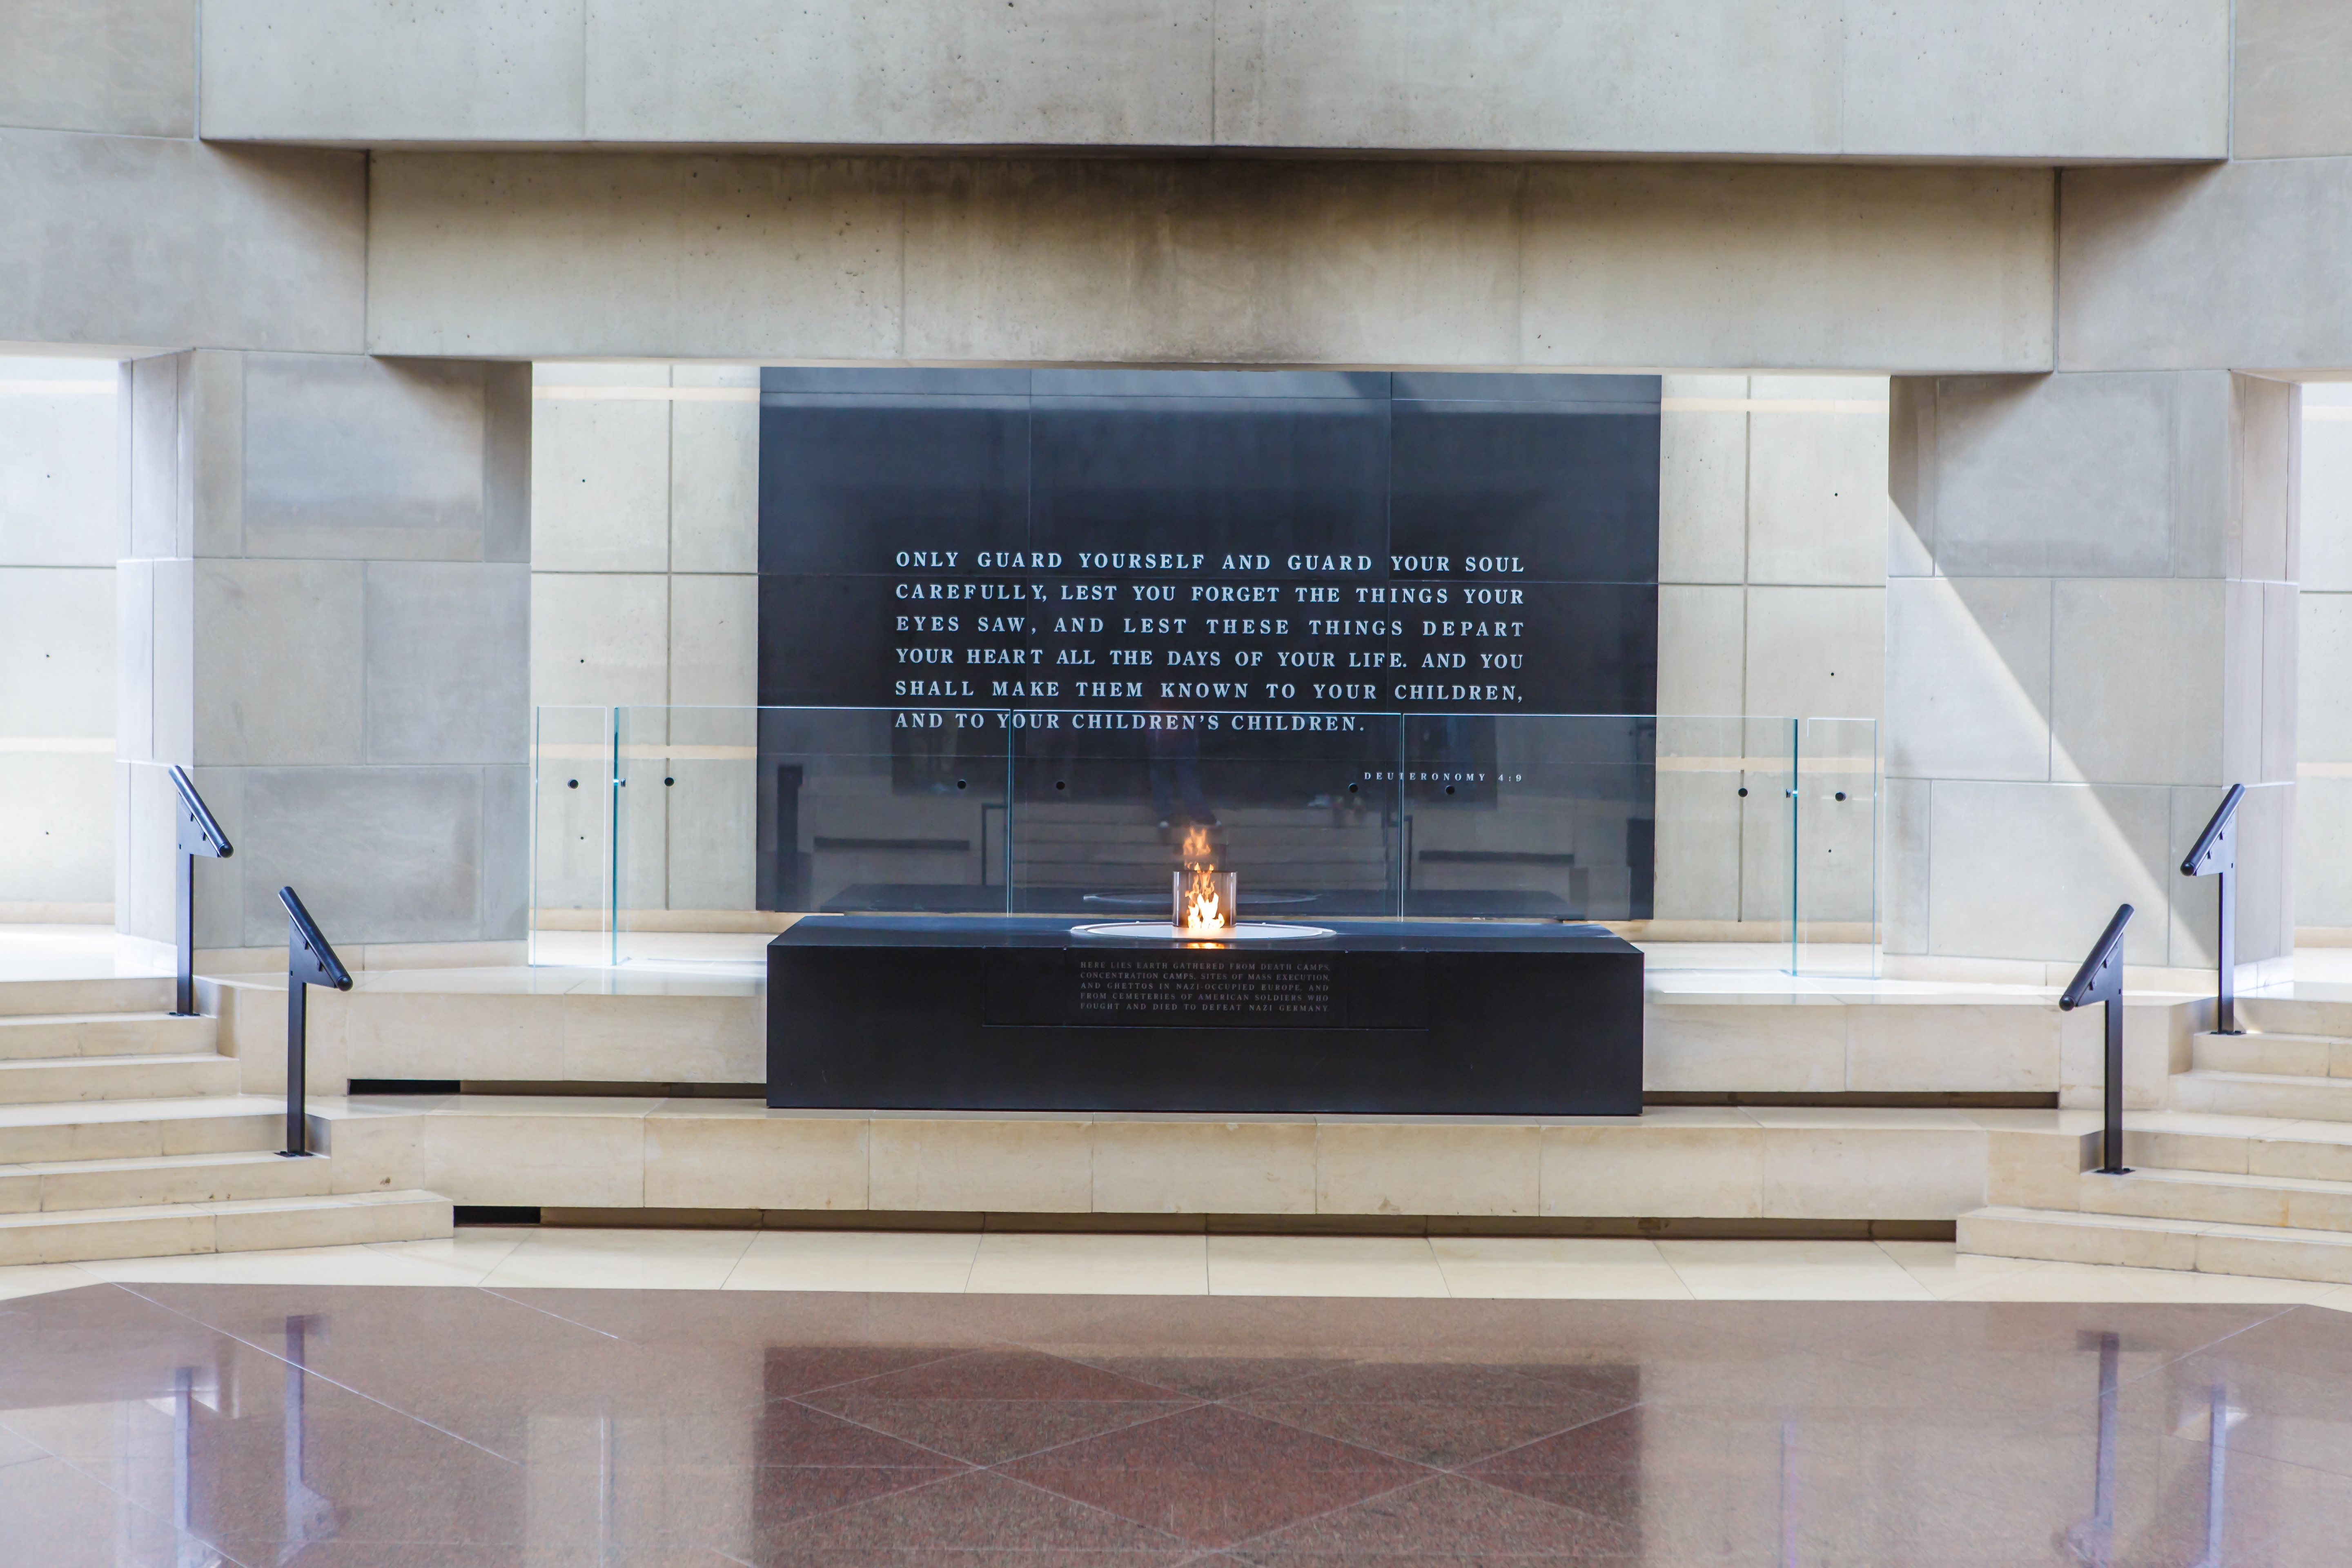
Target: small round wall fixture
[[1162, 931]]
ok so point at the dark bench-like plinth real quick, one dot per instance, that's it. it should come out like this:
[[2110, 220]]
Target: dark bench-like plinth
[[1383, 1017]]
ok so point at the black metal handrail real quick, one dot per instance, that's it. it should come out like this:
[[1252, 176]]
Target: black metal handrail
[[309, 960], [199, 833], [2101, 979], [2216, 856]]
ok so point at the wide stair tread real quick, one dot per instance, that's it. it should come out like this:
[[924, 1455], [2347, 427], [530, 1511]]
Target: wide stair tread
[[242, 1225], [24, 1036], [155, 1076], [2147, 1241]]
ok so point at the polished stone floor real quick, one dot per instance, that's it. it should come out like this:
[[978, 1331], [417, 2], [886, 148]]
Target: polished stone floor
[[192, 1424]]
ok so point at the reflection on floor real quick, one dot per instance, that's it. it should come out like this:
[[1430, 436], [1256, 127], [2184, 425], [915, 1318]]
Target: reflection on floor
[[178, 1425], [1013, 1262]]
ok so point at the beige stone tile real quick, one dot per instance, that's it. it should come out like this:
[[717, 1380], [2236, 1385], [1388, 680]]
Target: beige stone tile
[[149, 1233], [1186, 1164], [373, 1152], [1579, 1267], [927, 1261], [1426, 1167], [1893, 1048], [20, 1191], [977, 1164], [1872, 1173], [1790, 1271], [2176, 1151], [39, 1279], [2094, 1282], [1783, 1046], [464, 1259], [621, 1260], [672, 1038], [2148, 1244], [2215, 1203], [2318, 1210], [1561, 1251], [1947, 1271], [1323, 1266], [2304, 1149], [753, 1157], [287, 1223], [583, 1153], [2326, 1257], [2034, 1170], [465, 1035], [1656, 1166], [1091, 1265]]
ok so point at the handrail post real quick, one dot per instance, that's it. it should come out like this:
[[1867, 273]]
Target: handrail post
[[2215, 854], [309, 960], [198, 835], [2101, 979]]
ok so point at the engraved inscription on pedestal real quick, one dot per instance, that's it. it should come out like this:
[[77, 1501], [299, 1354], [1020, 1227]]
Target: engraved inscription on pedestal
[[1173, 988]]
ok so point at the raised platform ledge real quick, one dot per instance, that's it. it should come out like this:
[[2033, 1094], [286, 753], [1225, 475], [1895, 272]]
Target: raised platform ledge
[[1731, 1163]]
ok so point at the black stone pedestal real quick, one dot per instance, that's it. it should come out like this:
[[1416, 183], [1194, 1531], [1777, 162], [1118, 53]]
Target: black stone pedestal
[[1383, 1017]]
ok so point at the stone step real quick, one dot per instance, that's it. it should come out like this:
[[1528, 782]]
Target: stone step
[[2220, 1197], [2141, 1241], [246, 1224], [51, 1186], [140, 1129], [27, 1035], [51, 1079], [2297, 1055], [2297, 1097], [115, 996], [2294, 1015], [2240, 1145]]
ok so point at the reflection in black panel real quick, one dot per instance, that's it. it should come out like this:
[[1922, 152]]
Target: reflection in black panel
[[848, 483], [1561, 493], [1215, 477]]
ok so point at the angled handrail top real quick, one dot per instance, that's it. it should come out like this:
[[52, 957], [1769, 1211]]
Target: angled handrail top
[[217, 843], [2095, 981], [2215, 837], [330, 968]]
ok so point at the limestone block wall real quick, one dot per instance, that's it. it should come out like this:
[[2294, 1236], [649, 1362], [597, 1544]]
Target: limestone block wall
[[644, 554], [2010, 79], [2092, 634], [2322, 818], [323, 613], [57, 420], [1772, 605]]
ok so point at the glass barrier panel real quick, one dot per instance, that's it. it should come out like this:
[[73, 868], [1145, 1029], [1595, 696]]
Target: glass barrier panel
[[1837, 846], [683, 833], [1106, 806], [879, 810], [1725, 819], [1536, 815], [571, 834]]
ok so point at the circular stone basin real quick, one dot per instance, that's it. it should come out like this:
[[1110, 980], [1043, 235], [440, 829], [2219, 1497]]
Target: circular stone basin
[[1161, 930]]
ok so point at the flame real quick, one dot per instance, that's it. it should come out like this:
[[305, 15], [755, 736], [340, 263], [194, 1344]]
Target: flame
[[1201, 914], [1204, 914]]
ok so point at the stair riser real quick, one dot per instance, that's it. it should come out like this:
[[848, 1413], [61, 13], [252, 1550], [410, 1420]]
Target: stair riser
[[140, 1140], [2240, 1156], [55, 1191], [2218, 1205], [18, 997], [2282, 1015], [124, 1036], [68, 1240], [2328, 1261], [2274, 1053], [2306, 1102], [116, 1078]]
